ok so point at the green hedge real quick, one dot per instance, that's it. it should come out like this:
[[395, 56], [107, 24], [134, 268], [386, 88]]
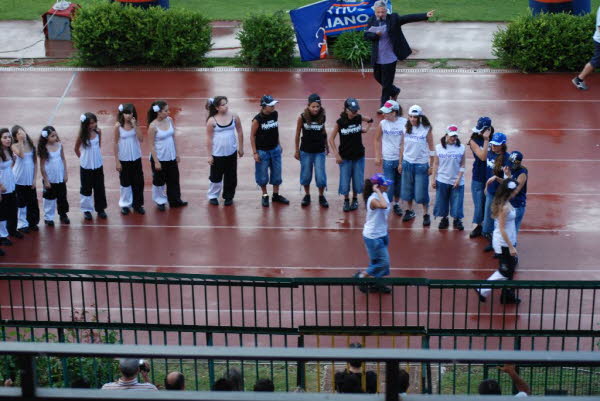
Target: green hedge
[[352, 49], [267, 40], [547, 42], [110, 34]]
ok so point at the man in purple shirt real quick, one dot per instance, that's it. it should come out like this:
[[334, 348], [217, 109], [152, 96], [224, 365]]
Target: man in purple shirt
[[388, 45]]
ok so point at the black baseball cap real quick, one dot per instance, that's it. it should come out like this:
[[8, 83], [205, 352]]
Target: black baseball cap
[[314, 98], [352, 104], [267, 100]]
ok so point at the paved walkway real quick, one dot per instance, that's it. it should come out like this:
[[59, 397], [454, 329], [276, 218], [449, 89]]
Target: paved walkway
[[453, 40]]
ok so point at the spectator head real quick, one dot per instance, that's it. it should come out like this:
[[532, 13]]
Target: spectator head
[[355, 364], [223, 384], [489, 387], [403, 381], [80, 382], [264, 385], [175, 381], [129, 367], [235, 377]]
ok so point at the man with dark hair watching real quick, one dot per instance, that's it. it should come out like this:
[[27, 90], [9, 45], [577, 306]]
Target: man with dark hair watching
[[130, 368], [175, 381], [223, 384], [345, 381], [492, 387], [264, 385]]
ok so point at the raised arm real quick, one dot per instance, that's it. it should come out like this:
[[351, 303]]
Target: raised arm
[[520, 384], [481, 152], [379, 202]]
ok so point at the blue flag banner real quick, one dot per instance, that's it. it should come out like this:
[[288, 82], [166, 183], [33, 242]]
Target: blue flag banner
[[309, 22], [346, 16]]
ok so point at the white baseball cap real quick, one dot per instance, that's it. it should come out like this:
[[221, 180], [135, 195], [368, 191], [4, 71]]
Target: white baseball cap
[[415, 110], [390, 106]]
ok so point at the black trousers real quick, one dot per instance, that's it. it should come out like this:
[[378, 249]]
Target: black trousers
[[132, 175], [58, 192], [224, 168], [168, 175], [8, 211], [93, 181], [507, 264], [27, 197], [384, 74]]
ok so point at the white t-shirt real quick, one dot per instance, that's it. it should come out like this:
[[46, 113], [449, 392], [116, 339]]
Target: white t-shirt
[[376, 224], [416, 149], [391, 138], [449, 164], [597, 31], [521, 394]]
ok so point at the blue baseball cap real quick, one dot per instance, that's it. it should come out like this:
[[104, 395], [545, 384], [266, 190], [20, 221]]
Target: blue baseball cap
[[267, 100], [515, 156], [482, 123], [352, 104], [498, 139], [380, 179]]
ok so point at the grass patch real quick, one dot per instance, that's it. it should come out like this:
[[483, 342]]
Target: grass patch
[[446, 10]]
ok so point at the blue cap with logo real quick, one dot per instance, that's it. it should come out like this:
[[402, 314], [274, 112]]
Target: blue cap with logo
[[515, 156], [498, 139], [380, 179], [267, 100], [352, 104], [482, 123]]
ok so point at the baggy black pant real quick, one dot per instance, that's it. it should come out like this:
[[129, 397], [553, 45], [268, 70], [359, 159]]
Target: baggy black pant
[[384, 75], [93, 181], [27, 197], [224, 168], [132, 175], [507, 264], [8, 211], [59, 192], [168, 175]]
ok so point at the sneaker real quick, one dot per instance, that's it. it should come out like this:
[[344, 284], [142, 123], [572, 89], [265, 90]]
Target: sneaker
[[354, 204], [323, 202], [4, 241], [397, 210], [213, 201], [34, 228], [64, 219], [280, 199], [24, 230], [179, 203], [426, 220], [161, 207], [481, 297], [509, 297], [17, 234], [124, 211], [49, 223], [444, 223], [476, 232], [458, 225], [488, 248], [265, 200], [102, 214], [305, 201], [383, 289], [409, 215], [579, 84], [346, 205], [87, 215], [139, 209], [364, 288], [228, 202]]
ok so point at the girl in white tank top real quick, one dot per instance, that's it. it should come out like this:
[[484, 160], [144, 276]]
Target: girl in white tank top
[[53, 167]]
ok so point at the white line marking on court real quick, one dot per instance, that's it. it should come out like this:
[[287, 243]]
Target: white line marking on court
[[62, 98]]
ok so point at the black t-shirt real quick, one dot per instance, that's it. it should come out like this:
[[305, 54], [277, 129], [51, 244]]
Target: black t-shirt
[[267, 135], [350, 131], [313, 136], [348, 382]]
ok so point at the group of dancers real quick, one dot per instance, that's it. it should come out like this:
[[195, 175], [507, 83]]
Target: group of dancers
[[405, 155]]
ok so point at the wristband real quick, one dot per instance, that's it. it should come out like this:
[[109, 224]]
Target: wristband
[[370, 121], [462, 169], [432, 153]]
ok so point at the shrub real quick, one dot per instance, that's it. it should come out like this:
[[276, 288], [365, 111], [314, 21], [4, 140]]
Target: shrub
[[267, 40], [546, 42], [110, 34], [352, 49]]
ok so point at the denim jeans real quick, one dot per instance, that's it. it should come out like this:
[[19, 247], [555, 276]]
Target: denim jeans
[[488, 221], [379, 257], [478, 194], [269, 160], [415, 182], [307, 162], [519, 218], [390, 170], [355, 170], [448, 198]]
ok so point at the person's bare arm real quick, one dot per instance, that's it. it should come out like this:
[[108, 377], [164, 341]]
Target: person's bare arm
[[431, 149], [78, 146], [434, 167], [152, 137], [253, 131], [210, 132], [240, 134], [297, 138], [520, 384], [377, 144], [461, 171], [64, 160], [332, 147], [116, 147], [379, 202]]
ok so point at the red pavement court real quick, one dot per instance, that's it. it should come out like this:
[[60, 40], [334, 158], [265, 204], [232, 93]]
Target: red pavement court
[[555, 126]]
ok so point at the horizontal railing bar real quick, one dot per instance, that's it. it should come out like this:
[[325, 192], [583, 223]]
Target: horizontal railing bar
[[301, 354], [363, 330]]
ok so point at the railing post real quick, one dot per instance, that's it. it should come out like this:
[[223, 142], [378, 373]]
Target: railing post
[[27, 373], [300, 377], [63, 361], [211, 362], [392, 372]]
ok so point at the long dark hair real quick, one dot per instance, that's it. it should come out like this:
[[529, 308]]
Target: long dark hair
[[344, 116], [443, 141], [41, 147], [84, 129], [499, 162], [129, 109], [423, 120], [211, 106], [502, 196], [319, 118], [14, 130], [151, 116], [2, 153], [367, 190]]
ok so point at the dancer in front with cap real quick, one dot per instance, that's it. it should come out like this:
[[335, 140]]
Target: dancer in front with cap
[[479, 144], [504, 241], [129, 159], [449, 183], [88, 149], [416, 159], [351, 153], [264, 138], [224, 143], [312, 148], [496, 160], [375, 232], [388, 138]]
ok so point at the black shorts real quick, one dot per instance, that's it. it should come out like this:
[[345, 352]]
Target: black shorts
[[595, 61]]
